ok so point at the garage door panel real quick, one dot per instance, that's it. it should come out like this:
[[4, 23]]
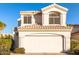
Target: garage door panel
[[38, 44]]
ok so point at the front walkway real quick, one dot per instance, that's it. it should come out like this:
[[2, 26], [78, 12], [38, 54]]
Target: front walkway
[[40, 54]]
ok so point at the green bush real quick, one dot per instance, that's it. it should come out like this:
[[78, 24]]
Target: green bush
[[1, 36], [6, 36], [19, 50], [74, 43], [74, 46], [4, 50], [5, 45], [76, 50]]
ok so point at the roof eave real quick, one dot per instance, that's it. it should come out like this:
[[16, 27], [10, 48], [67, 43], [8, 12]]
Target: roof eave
[[55, 5]]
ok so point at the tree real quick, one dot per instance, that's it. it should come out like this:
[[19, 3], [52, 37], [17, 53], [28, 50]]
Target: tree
[[2, 25]]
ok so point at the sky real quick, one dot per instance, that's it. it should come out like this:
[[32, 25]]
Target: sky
[[9, 13]]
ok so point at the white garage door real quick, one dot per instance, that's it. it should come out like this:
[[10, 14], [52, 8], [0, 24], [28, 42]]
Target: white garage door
[[42, 43]]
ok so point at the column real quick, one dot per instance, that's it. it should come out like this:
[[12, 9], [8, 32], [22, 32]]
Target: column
[[63, 19], [45, 19], [33, 19], [22, 20]]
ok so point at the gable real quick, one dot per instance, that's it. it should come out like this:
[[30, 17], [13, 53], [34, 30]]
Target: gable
[[54, 6]]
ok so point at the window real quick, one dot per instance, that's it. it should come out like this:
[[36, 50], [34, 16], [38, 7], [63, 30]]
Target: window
[[19, 23], [54, 17], [27, 20]]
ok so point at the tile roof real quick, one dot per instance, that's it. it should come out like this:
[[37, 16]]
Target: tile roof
[[77, 32], [40, 27]]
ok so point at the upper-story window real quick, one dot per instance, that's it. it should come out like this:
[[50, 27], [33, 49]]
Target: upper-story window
[[19, 23], [54, 17], [27, 20]]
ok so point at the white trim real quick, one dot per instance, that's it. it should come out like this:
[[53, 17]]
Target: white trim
[[53, 5], [29, 11]]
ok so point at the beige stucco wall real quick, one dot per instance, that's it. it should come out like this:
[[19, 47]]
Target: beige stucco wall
[[42, 17], [38, 18], [45, 16], [52, 43]]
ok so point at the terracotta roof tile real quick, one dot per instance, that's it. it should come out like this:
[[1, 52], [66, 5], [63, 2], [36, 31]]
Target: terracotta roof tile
[[34, 27]]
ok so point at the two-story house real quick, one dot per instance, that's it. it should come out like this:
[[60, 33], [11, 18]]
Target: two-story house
[[44, 31]]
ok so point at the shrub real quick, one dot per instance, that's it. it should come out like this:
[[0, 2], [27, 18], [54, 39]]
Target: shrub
[[4, 50], [9, 36], [12, 45], [19, 50], [5, 45], [76, 50], [1, 36], [74, 43], [6, 36]]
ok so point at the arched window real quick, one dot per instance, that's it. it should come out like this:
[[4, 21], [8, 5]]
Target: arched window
[[54, 17]]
